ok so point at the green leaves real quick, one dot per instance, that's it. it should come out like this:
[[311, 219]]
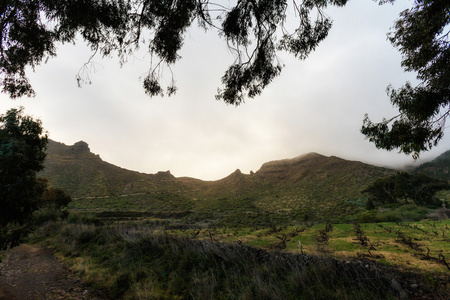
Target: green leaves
[[402, 186], [250, 28], [22, 154], [404, 134], [32, 29], [421, 34]]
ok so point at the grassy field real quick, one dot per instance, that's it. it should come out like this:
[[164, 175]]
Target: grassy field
[[155, 257], [421, 245], [239, 211], [294, 229]]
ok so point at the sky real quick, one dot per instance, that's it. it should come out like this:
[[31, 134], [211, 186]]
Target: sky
[[315, 105]]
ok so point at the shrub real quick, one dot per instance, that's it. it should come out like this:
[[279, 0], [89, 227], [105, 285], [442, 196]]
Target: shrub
[[369, 205], [368, 217], [440, 214], [45, 215], [121, 285], [404, 213], [412, 212], [80, 218], [12, 235]]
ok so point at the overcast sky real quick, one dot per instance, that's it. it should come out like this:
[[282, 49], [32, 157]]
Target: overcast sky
[[315, 105]]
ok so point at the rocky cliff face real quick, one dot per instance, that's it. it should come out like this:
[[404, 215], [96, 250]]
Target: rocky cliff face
[[80, 146]]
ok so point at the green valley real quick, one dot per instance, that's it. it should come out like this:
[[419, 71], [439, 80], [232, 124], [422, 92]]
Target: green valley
[[297, 228]]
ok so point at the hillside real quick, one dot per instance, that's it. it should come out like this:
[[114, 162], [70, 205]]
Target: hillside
[[438, 167], [315, 186], [310, 186], [83, 174]]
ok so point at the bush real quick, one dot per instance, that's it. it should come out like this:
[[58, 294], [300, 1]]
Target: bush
[[80, 218], [45, 215], [56, 198], [440, 214], [121, 285], [404, 213], [390, 216], [369, 205], [369, 217], [412, 212], [11, 235]]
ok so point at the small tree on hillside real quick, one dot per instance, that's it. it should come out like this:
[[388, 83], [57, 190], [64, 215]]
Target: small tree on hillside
[[382, 191], [422, 189], [55, 198]]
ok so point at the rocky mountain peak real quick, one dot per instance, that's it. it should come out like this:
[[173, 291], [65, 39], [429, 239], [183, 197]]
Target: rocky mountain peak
[[80, 146]]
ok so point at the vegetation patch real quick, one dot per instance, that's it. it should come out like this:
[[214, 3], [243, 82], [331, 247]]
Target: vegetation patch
[[131, 260]]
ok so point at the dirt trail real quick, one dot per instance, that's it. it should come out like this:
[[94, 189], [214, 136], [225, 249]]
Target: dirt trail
[[31, 272]]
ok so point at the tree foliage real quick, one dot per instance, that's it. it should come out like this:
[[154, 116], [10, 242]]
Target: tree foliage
[[31, 31], [254, 31], [55, 198], [422, 36], [382, 190], [404, 187], [22, 153]]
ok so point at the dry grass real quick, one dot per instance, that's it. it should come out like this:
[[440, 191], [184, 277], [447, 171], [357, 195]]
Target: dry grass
[[131, 261], [343, 242]]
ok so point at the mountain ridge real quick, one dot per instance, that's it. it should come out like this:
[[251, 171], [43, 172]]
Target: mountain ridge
[[61, 155], [310, 186]]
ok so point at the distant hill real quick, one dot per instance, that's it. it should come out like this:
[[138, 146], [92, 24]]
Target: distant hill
[[316, 185], [308, 186], [438, 167], [84, 174]]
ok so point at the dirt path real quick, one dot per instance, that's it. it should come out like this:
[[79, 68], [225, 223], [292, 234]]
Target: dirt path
[[31, 272]]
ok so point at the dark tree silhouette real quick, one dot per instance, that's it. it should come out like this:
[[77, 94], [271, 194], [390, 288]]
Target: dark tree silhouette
[[31, 30], [22, 154], [404, 187], [422, 36], [55, 198]]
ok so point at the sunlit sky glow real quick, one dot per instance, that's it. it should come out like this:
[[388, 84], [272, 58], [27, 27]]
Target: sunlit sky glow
[[315, 105]]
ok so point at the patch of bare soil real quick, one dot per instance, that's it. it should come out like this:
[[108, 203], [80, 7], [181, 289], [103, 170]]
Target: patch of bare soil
[[31, 272]]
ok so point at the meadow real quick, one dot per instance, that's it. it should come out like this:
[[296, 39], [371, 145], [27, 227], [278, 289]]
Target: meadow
[[155, 257]]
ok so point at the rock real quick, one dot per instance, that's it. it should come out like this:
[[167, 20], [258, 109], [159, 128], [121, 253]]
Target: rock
[[80, 147], [398, 288], [414, 285], [164, 175], [395, 285]]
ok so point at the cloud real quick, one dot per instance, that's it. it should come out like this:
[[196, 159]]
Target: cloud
[[315, 105]]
